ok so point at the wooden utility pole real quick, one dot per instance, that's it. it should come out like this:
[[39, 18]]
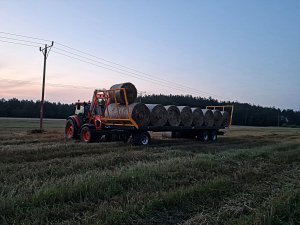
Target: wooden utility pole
[[278, 117], [45, 53]]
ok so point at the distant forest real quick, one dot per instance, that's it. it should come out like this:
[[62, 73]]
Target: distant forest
[[244, 113]]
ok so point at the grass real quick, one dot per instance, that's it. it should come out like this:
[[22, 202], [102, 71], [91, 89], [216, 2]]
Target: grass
[[250, 176]]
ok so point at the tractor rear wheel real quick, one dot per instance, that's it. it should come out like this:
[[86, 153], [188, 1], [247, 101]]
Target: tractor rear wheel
[[71, 130], [87, 134]]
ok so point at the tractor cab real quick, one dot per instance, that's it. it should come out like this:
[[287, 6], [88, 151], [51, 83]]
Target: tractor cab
[[82, 108]]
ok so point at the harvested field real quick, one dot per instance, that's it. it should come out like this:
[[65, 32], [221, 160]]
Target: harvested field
[[250, 176]]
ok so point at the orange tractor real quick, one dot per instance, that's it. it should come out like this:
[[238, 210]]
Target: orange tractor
[[91, 121]]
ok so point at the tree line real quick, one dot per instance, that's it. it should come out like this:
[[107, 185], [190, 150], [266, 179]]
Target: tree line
[[244, 113], [31, 109]]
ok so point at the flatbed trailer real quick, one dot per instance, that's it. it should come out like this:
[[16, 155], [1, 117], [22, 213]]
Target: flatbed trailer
[[89, 126]]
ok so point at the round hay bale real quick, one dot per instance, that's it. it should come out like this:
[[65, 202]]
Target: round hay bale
[[173, 115], [186, 115], [158, 114], [218, 118], [139, 112], [131, 93], [198, 117], [226, 118], [208, 117]]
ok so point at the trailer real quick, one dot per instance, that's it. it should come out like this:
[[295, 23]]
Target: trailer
[[92, 122]]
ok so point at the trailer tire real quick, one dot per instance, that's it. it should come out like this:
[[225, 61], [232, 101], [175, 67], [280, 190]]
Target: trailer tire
[[108, 137], [142, 138], [213, 136], [71, 130], [87, 134], [204, 136]]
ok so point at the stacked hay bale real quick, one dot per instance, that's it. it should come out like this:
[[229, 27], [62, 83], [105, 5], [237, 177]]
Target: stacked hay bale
[[119, 95], [186, 115], [158, 114], [208, 117], [139, 112], [173, 115], [218, 118], [226, 118], [198, 117]]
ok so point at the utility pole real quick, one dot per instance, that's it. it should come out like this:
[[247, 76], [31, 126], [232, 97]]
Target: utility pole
[[278, 117], [45, 53], [141, 95]]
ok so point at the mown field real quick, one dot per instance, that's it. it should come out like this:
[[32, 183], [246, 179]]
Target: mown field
[[250, 176]]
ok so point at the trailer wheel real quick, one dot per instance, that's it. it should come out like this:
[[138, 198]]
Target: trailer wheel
[[108, 137], [204, 136], [87, 134], [142, 138], [71, 130], [125, 138], [213, 136]]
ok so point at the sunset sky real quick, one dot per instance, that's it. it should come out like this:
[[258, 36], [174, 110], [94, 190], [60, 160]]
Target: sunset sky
[[246, 51]]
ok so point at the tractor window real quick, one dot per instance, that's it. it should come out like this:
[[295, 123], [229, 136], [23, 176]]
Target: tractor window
[[96, 111], [86, 109], [79, 109]]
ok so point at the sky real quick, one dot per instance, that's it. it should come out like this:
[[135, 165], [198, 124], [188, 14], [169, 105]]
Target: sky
[[246, 51]]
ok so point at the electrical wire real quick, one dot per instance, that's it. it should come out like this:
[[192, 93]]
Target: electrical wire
[[50, 84], [115, 67], [123, 73], [11, 42], [139, 72], [24, 36], [15, 39], [129, 73]]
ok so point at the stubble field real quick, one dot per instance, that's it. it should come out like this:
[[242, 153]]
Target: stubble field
[[250, 176]]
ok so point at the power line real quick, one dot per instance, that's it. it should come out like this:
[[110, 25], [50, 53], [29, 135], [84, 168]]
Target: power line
[[148, 75], [16, 39], [128, 73], [49, 84], [24, 36], [11, 42], [124, 73], [115, 67]]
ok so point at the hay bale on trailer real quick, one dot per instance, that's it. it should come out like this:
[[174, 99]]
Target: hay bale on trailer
[[158, 114], [198, 117], [218, 118], [186, 115], [226, 118], [139, 112], [173, 115], [131, 93], [208, 117]]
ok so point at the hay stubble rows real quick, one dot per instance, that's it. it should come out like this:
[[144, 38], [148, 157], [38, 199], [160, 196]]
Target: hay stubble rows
[[250, 176]]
